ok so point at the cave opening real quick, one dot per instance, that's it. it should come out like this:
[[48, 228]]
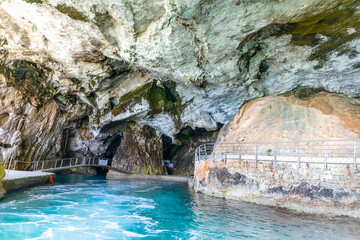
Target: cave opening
[[181, 152], [113, 144], [100, 171], [169, 151]]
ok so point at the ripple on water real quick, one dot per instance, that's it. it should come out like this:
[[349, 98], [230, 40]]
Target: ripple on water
[[80, 208]]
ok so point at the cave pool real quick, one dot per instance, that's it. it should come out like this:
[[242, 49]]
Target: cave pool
[[80, 207]]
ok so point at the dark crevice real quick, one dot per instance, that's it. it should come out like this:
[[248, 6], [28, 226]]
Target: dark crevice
[[113, 144]]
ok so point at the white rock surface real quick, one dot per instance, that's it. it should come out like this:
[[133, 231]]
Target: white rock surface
[[194, 44]]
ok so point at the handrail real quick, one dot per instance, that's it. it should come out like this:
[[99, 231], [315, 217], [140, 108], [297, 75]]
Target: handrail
[[56, 164], [326, 152]]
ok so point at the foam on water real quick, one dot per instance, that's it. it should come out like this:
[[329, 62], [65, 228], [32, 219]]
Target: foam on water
[[76, 207]]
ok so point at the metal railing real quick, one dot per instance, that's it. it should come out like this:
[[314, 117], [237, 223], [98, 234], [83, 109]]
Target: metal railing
[[326, 152], [56, 164]]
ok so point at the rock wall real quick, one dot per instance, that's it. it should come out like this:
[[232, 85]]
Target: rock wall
[[309, 189], [71, 69], [304, 114], [140, 151], [183, 152], [2, 175]]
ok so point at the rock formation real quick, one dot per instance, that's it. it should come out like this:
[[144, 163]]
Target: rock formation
[[72, 72], [140, 151], [299, 183], [2, 175], [303, 114]]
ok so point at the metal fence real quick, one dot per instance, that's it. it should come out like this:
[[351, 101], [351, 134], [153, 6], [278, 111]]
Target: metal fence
[[326, 152], [56, 164]]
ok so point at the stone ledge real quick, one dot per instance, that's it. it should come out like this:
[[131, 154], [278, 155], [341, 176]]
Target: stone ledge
[[23, 179], [112, 175]]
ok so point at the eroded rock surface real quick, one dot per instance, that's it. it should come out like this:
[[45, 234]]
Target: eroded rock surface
[[296, 179], [140, 151], [304, 114], [70, 69]]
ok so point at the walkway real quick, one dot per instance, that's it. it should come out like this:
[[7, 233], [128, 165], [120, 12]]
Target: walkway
[[59, 164], [326, 152], [15, 174]]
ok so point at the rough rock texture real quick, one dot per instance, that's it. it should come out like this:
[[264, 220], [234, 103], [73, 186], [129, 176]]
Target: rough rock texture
[[2, 175], [304, 114], [183, 152], [165, 64], [140, 151], [309, 189]]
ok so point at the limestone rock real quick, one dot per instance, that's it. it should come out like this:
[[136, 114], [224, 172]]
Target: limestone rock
[[140, 151], [164, 64], [304, 114]]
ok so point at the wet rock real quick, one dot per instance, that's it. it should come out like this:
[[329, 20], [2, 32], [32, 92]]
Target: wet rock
[[140, 151], [326, 192], [225, 178]]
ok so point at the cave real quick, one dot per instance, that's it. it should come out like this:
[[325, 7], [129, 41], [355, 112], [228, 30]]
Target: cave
[[113, 144], [169, 151], [181, 152]]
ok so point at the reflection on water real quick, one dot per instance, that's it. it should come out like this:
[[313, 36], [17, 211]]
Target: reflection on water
[[77, 207]]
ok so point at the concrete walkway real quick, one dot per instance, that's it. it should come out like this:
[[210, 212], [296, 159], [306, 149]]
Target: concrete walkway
[[15, 180], [15, 174], [112, 175]]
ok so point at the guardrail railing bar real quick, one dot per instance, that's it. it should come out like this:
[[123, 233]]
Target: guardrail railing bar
[[299, 156], [354, 146], [325, 157], [300, 149], [66, 162]]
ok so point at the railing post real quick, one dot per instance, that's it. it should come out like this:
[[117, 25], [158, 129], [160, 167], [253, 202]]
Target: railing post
[[325, 157], [275, 149], [205, 150], [199, 153], [354, 150], [10, 163], [225, 155], [61, 162], [15, 164], [195, 155], [76, 160], [256, 155], [42, 165], [298, 152], [240, 153]]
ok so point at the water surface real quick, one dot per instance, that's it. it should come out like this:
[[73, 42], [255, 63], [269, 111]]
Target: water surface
[[78, 207]]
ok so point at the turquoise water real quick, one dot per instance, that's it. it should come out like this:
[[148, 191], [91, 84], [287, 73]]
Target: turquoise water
[[77, 207]]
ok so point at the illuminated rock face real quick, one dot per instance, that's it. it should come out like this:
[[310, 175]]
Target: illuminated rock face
[[304, 114], [291, 178], [309, 189], [71, 72]]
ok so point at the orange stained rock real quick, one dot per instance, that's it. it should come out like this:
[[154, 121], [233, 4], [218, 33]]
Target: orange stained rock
[[203, 169], [286, 118]]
